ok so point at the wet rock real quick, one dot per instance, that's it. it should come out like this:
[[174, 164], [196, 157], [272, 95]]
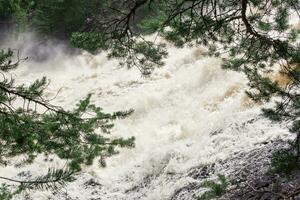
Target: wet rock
[[144, 183], [92, 183], [256, 183], [202, 172], [181, 193], [248, 175]]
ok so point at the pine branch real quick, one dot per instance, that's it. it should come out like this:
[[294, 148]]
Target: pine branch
[[53, 179], [35, 100]]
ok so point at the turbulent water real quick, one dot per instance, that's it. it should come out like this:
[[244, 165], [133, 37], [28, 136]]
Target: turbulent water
[[189, 113]]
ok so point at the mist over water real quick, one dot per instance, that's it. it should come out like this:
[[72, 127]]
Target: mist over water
[[188, 113]]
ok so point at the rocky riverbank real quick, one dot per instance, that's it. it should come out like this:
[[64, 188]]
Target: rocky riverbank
[[249, 176]]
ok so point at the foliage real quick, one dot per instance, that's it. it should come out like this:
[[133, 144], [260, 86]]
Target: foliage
[[141, 54], [285, 162], [150, 26], [38, 127], [5, 193], [216, 188], [53, 180], [57, 18], [17, 10], [62, 17], [89, 41]]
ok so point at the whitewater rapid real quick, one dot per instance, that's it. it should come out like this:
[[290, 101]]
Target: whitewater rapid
[[189, 113]]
